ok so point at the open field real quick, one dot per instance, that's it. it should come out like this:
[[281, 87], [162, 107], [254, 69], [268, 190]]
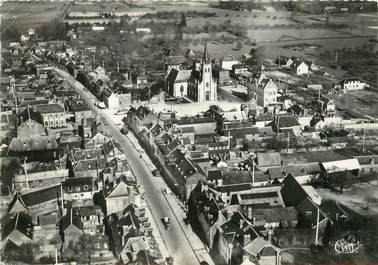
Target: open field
[[24, 15]]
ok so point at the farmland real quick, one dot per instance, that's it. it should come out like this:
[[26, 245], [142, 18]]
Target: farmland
[[24, 15]]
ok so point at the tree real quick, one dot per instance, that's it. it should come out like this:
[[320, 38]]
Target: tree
[[329, 233], [54, 30], [82, 250], [23, 253], [11, 34], [8, 171]]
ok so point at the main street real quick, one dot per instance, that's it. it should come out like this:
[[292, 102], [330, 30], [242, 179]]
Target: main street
[[175, 240]]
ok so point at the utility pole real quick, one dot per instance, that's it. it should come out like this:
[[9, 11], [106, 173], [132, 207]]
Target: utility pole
[[363, 142], [317, 228], [253, 173], [26, 174], [288, 142], [13, 87], [118, 66], [94, 60]]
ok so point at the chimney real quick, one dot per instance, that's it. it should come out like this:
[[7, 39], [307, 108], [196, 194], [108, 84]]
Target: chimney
[[229, 215], [250, 213], [270, 235], [241, 222]]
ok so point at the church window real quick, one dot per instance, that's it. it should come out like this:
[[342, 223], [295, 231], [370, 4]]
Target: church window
[[207, 84], [207, 96], [182, 88]]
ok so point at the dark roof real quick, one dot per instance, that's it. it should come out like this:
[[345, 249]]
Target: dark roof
[[78, 181], [20, 222], [49, 108], [71, 218], [80, 107], [214, 175], [260, 195], [234, 187], [40, 196], [286, 121]]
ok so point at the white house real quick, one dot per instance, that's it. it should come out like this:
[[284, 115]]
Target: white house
[[352, 83], [299, 68], [228, 62], [118, 101], [266, 92]]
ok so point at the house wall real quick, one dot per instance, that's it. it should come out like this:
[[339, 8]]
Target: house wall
[[54, 120], [354, 85], [180, 89], [80, 115], [302, 69], [267, 95], [118, 204]]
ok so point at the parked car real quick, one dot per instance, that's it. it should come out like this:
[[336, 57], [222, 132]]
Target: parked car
[[167, 223]]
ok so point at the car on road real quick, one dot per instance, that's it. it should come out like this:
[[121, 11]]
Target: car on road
[[167, 223]]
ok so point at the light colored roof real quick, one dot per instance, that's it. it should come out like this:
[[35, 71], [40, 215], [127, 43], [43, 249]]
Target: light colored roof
[[183, 75], [341, 165], [254, 247], [60, 173], [268, 159], [313, 194]]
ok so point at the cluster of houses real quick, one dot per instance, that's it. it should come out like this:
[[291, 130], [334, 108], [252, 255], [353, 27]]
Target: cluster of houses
[[247, 176], [249, 203], [72, 181]]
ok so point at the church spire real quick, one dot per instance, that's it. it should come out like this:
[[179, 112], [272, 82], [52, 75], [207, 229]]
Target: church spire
[[205, 58]]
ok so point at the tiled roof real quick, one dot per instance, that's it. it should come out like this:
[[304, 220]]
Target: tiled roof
[[234, 187], [87, 154], [38, 143], [90, 164], [30, 128]]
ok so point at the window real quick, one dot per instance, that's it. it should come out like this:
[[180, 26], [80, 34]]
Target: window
[[207, 84], [85, 187], [77, 188], [182, 88], [308, 213], [207, 96]]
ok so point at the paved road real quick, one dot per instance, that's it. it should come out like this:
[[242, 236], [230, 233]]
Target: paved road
[[177, 244]]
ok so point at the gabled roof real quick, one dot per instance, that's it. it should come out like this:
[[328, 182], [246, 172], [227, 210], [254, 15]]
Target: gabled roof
[[341, 165], [22, 223], [90, 164], [71, 219], [37, 196], [30, 128], [82, 154], [37, 143], [118, 188], [286, 121]]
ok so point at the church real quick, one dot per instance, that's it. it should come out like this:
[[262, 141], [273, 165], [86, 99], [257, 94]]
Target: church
[[196, 84]]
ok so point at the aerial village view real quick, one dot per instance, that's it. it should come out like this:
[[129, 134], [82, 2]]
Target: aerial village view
[[189, 132]]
